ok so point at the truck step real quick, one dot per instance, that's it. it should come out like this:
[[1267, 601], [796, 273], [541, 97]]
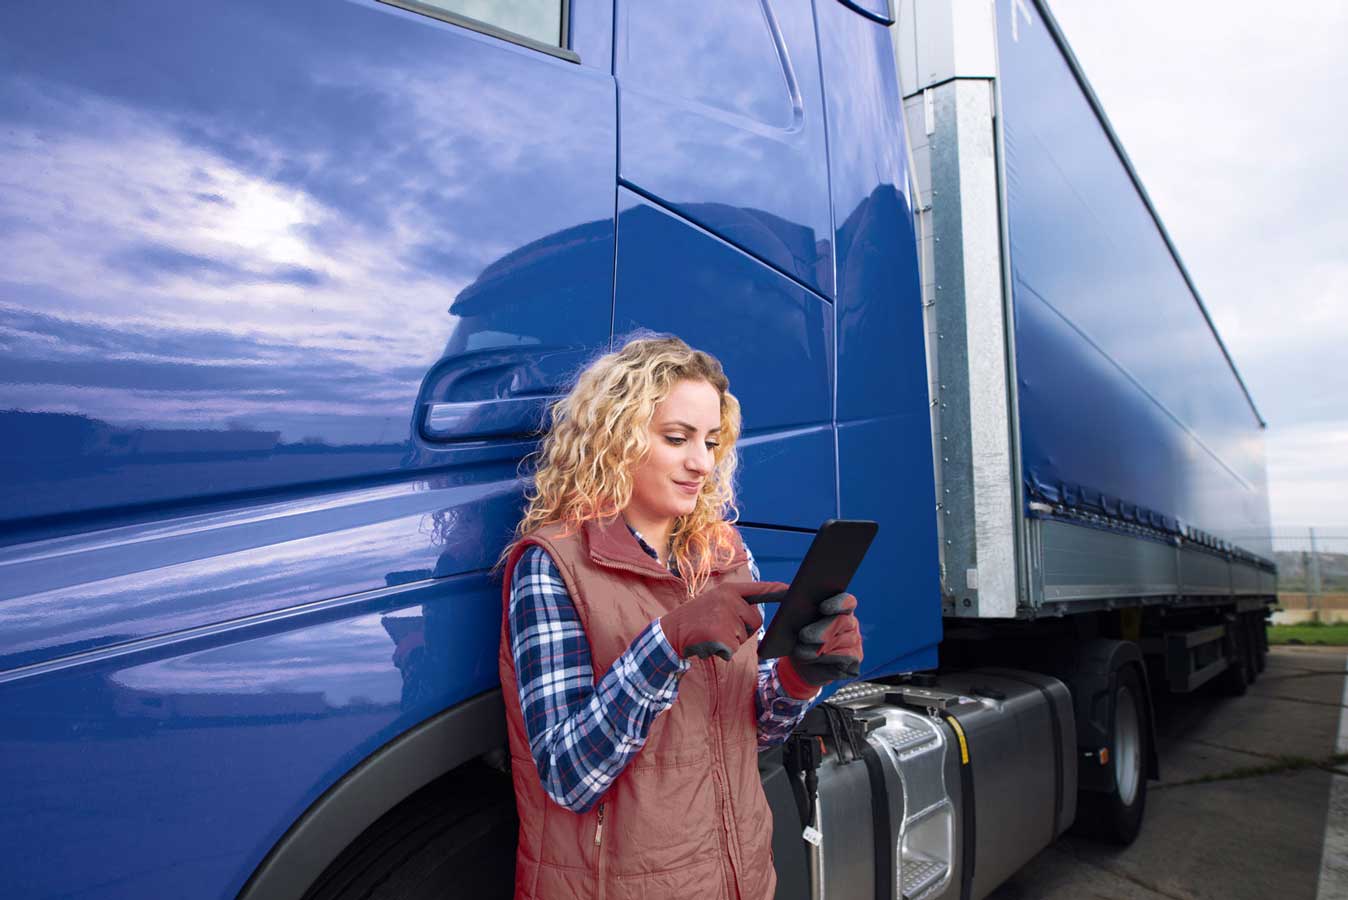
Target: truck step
[[921, 874]]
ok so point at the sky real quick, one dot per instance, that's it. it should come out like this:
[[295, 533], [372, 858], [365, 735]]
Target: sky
[[1229, 111]]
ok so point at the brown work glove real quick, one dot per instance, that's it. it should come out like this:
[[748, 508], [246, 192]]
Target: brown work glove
[[828, 649], [717, 621]]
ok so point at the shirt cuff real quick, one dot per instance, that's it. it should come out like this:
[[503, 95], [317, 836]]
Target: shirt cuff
[[658, 666]]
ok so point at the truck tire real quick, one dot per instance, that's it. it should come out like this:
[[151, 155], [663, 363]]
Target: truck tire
[[1116, 815], [454, 838], [1257, 641], [1240, 663], [1248, 652]]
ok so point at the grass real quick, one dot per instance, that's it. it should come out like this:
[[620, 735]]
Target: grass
[[1310, 633]]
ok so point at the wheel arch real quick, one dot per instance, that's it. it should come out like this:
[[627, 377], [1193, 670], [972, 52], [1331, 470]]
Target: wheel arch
[[380, 782], [1093, 679]]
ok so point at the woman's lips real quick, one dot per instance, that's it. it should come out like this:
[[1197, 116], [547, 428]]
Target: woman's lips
[[689, 487]]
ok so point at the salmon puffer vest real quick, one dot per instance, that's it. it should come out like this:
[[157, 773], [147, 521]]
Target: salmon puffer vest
[[687, 818]]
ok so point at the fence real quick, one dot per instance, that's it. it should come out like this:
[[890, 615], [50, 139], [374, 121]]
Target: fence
[[1312, 573]]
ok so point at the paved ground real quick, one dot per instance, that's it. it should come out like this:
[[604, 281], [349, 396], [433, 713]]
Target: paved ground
[[1241, 810]]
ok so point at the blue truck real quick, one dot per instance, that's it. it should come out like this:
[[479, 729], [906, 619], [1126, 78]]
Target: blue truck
[[285, 291]]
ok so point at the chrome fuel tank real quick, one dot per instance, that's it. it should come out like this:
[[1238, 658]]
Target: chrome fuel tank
[[940, 788]]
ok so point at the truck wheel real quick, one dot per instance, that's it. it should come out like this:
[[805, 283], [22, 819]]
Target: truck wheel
[[1257, 645], [1237, 676], [454, 838], [1248, 653], [1116, 816]]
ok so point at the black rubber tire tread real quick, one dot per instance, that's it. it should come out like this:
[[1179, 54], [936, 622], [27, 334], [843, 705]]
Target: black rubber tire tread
[[1258, 641], [455, 837], [1104, 816], [1236, 679], [1247, 652]]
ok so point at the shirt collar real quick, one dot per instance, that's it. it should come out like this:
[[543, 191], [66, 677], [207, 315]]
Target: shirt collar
[[650, 551]]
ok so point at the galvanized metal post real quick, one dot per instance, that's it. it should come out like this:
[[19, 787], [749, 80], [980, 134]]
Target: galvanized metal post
[[1313, 573], [1306, 577]]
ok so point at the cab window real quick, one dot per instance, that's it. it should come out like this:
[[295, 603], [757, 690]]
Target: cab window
[[538, 22]]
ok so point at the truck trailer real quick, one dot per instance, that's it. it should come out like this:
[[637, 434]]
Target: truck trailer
[[288, 288]]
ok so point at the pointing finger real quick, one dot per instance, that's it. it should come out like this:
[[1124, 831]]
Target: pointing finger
[[757, 591]]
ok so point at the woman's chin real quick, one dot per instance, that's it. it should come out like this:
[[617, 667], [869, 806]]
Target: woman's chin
[[684, 506]]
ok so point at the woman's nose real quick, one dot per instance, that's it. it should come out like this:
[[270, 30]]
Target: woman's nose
[[700, 460]]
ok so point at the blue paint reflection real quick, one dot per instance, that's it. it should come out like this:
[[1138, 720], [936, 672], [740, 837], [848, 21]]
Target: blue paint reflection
[[238, 241], [207, 755], [883, 434], [408, 663], [135, 583], [721, 111], [246, 244]]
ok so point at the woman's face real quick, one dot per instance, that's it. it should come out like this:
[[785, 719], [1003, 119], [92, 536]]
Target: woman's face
[[683, 434]]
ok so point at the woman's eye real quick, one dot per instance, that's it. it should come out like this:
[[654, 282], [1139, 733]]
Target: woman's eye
[[679, 440]]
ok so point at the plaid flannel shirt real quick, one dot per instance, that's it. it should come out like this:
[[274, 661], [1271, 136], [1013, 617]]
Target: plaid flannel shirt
[[583, 734]]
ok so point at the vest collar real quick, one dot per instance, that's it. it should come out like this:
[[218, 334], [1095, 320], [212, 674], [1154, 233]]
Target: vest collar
[[611, 543]]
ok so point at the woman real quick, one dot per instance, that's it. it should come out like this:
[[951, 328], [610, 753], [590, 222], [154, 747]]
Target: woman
[[636, 704]]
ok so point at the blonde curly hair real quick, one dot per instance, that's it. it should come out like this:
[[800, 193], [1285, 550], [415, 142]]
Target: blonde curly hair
[[583, 468]]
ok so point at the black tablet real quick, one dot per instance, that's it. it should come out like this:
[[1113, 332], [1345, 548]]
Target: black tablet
[[827, 569]]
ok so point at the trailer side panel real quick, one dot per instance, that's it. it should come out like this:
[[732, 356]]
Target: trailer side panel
[[1130, 407]]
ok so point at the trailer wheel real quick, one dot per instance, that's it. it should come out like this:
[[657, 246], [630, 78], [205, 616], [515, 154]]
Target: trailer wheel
[[454, 838], [1257, 641], [1116, 815], [1240, 658]]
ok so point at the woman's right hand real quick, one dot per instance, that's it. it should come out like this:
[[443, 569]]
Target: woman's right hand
[[718, 620]]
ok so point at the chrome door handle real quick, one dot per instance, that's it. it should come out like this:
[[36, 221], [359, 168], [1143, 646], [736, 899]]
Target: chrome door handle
[[481, 419]]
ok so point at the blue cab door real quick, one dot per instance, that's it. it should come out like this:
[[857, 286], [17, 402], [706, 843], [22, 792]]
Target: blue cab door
[[764, 215], [724, 226]]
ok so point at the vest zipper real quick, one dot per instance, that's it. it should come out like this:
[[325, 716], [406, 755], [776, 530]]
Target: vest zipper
[[599, 850], [722, 779]]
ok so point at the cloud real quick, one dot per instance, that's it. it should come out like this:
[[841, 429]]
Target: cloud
[[1306, 465]]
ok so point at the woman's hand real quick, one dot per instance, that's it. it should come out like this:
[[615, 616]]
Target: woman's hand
[[829, 648], [717, 621]]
